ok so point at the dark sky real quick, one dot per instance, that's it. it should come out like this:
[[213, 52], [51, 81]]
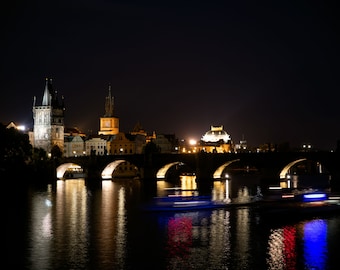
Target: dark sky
[[265, 70]]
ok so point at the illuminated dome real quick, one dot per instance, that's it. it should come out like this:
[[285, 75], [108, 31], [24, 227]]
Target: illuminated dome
[[215, 134]]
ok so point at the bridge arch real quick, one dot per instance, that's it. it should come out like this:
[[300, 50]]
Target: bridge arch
[[218, 173], [161, 173], [111, 167], [61, 169], [305, 173], [285, 170]]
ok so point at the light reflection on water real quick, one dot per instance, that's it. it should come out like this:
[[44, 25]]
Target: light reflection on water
[[42, 231], [74, 227], [315, 244], [71, 224], [283, 245]]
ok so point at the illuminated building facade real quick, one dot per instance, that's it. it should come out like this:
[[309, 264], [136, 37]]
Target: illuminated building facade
[[216, 140], [74, 142], [123, 144], [96, 146], [74, 146], [241, 147], [109, 125], [48, 127]]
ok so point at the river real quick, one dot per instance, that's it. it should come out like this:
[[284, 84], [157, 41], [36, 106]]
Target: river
[[72, 226]]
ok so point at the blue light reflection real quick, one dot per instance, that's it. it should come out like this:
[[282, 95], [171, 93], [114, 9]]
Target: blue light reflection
[[315, 244]]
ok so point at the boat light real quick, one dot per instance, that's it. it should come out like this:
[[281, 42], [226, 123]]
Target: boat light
[[334, 197], [314, 196], [275, 187], [285, 196]]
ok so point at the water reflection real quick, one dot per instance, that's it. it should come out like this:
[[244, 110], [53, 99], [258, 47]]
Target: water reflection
[[216, 239], [242, 237], [315, 244], [179, 236], [187, 186], [42, 231], [76, 225], [71, 223], [197, 239], [283, 245], [112, 225], [282, 248], [221, 190], [72, 227]]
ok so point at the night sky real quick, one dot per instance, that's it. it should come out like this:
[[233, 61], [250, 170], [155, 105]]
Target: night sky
[[267, 71]]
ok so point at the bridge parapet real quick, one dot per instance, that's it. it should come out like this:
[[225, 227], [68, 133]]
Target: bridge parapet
[[269, 165]]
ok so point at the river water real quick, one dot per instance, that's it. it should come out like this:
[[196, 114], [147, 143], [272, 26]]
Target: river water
[[72, 226]]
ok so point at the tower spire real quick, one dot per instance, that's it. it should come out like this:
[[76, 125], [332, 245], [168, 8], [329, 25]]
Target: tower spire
[[109, 104], [47, 95]]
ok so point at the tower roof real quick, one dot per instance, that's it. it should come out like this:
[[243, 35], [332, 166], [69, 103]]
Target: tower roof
[[47, 98], [50, 97], [109, 104]]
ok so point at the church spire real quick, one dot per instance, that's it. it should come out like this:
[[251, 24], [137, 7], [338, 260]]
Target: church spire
[[109, 104], [47, 94]]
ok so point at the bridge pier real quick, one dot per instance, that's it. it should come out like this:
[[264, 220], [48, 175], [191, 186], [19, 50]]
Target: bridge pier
[[148, 174], [204, 165]]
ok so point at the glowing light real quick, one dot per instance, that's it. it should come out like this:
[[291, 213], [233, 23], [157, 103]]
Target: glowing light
[[48, 203], [227, 189], [285, 196], [192, 142], [315, 196], [275, 187], [215, 134], [22, 128], [334, 197]]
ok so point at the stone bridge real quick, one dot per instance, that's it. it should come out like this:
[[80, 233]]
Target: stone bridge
[[268, 167]]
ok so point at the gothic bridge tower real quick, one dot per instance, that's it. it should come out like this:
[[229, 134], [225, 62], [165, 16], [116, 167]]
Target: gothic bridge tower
[[48, 127], [109, 124]]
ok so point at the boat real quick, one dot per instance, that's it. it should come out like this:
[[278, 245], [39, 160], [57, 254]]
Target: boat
[[297, 202], [183, 203], [179, 202], [300, 204], [74, 175]]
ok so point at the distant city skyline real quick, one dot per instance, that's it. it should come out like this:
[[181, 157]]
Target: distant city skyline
[[195, 137]]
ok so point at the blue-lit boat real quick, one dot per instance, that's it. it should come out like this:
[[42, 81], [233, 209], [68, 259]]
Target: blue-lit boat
[[316, 196], [300, 203], [278, 194], [183, 203]]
